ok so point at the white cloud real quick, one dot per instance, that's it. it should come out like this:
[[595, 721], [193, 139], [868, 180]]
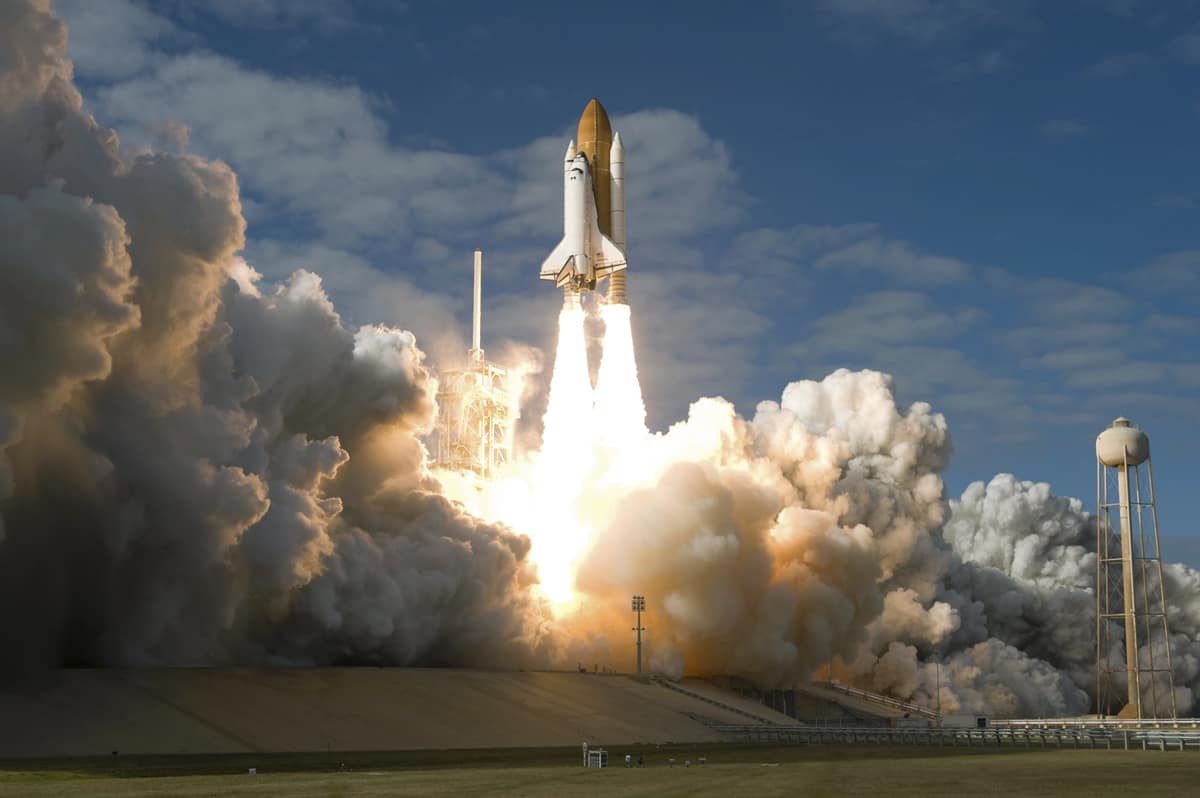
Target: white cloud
[[898, 260], [1116, 66], [314, 149], [1168, 200], [112, 39], [1173, 326], [391, 225], [1175, 272], [1057, 300], [909, 335], [1186, 47], [1062, 127], [694, 337], [1094, 341], [681, 181], [1074, 358], [325, 15], [924, 22], [321, 152], [1118, 8], [888, 318]]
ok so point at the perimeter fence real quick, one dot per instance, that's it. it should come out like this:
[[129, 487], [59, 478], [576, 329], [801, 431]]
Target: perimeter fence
[[1023, 735]]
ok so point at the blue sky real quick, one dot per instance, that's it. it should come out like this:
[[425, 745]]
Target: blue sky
[[997, 203]]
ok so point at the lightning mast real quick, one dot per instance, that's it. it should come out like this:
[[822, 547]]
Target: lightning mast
[[476, 353]]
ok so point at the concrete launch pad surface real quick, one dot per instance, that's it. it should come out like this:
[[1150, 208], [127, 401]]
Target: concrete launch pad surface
[[95, 712]]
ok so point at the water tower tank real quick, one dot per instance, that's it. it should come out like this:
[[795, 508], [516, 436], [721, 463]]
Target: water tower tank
[[1122, 444]]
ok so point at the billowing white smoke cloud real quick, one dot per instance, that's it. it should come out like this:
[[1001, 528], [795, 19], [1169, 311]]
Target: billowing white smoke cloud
[[194, 470], [196, 467], [819, 530]]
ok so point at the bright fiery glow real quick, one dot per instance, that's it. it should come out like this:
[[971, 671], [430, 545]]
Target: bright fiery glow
[[595, 446], [561, 468], [568, 419], [620, 412]]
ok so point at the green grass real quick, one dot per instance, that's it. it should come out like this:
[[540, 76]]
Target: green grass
[[731, 771]]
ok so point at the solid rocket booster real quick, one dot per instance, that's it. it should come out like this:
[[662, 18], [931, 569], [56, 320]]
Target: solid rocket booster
[[593, 244], [616, 165]]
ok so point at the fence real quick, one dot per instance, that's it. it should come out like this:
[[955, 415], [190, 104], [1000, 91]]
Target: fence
[[1075, 736], [883, 700], [723, 705]]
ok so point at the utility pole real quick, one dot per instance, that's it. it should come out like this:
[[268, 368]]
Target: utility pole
[[938, 665], [639, 606]]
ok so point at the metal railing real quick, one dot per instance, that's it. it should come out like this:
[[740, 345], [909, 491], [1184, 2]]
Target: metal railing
[[1078, 737], [717, 703], [877, 698], [1182, 724]]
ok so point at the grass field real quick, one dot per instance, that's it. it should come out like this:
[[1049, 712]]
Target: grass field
[[729, 771]]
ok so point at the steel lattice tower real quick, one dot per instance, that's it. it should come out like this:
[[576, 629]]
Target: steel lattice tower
[[475, 417], [1133, 643]]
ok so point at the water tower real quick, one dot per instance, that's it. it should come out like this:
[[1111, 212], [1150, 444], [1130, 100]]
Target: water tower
[[1129, 582]]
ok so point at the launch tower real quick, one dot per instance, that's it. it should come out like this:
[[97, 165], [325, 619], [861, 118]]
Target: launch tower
[[1129, 582], [475, 423]]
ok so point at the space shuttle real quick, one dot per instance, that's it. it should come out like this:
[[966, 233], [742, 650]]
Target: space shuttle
[[593, 243]]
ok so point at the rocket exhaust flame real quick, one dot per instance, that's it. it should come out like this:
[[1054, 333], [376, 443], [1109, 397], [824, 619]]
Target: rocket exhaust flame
[[620, 411], [593, 441], [539, 494], [569, 411], [562, 466]]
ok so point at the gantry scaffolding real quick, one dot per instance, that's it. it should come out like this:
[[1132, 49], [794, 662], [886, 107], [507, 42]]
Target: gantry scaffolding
[[475, 414]]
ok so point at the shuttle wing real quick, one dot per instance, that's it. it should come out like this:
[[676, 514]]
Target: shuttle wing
[[559, 258], [608, 258]]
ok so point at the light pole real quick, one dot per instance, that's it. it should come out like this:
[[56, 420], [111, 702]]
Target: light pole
[[937, 664], [638, 605]]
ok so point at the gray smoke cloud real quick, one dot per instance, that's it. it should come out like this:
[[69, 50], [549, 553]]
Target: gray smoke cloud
[[200, 468], [193, 470], [819, 530]]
